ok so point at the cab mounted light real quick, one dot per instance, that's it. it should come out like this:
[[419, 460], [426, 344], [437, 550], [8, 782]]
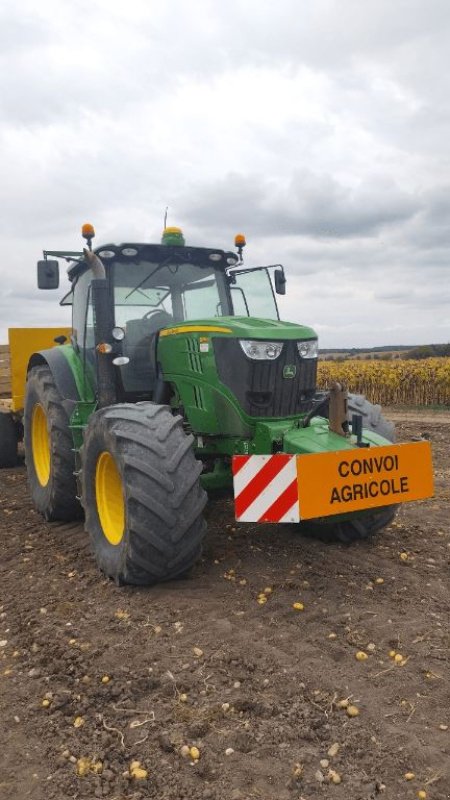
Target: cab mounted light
[[118, 334], [88, 233], [173, 236], [239, 243]]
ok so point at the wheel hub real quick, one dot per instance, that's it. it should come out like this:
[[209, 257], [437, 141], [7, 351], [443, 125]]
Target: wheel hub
[[40, 443], [109, 497]]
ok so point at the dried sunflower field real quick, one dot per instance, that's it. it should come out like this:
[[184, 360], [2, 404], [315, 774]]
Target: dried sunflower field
[[400, 382]]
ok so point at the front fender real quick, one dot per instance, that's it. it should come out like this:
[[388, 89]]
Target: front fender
[[72, 382]]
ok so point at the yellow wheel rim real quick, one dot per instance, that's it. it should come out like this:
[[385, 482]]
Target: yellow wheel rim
[[40, 443], [109, 497]]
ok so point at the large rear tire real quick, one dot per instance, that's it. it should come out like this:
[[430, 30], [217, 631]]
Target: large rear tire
[[141, 493], [373, 419], [8, 441], [49, 454], [364, 526], [351, 530]]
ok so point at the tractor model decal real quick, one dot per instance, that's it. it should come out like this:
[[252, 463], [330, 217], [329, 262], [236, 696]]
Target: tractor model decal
[[289, 371]]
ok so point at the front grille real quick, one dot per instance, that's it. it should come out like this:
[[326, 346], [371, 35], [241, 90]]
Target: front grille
[[260, 386]]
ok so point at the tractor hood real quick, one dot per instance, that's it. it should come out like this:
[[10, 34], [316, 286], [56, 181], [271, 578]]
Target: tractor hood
[[222, 387], [243, 328]]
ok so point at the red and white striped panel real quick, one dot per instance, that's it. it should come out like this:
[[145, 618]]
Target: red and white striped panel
[[266, 488]]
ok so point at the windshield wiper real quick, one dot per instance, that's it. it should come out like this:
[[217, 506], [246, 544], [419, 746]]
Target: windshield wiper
[[150, 275]]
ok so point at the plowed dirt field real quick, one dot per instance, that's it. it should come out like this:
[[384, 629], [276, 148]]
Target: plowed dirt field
[[94, 677]]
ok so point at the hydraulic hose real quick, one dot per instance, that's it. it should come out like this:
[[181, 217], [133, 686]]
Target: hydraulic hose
[[315, 409]]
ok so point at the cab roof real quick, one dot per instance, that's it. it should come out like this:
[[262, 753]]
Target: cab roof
[[110, 253]]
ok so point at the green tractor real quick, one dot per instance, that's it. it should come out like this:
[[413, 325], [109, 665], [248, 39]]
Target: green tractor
[[178, 364]]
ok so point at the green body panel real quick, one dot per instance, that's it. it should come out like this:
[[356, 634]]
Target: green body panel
[[252, 328], [188, 364], [84, 377], [78, 421], [219, 478], [317, 438], [85, 382], [287, 438], [193, 374]]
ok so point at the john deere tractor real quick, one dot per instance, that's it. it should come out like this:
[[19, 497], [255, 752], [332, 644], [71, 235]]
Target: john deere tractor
[[177, 365]]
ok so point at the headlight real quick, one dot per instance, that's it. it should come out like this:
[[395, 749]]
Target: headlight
[[261, 351], [118, 334], [308, 349]]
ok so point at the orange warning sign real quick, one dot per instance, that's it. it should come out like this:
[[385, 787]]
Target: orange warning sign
[[366, 477]]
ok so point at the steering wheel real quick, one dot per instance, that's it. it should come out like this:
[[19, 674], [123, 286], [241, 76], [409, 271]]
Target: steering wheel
[[154, 311]]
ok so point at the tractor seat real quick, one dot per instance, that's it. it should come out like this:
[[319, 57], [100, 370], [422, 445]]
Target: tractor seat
[[139, 345]]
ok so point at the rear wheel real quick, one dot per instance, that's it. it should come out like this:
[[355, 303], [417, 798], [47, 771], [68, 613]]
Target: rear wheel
[[8, 441], [351, 530], [373, 419], [366, 525], [49, 452], [141, 493]]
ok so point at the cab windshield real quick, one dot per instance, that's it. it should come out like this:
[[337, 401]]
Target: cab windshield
[[167, 293]]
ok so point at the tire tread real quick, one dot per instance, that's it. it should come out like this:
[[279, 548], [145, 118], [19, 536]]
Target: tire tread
[[59, 500], [164, 500]]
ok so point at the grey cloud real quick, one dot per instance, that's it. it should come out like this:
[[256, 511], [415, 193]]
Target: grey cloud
[[309, 204], [141, 55], [397, 297], [328, 34]]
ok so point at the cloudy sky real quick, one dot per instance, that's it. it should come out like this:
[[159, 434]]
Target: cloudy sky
[[321, 129]]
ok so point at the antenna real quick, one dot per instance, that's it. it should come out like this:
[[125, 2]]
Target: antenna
[[165, 217]]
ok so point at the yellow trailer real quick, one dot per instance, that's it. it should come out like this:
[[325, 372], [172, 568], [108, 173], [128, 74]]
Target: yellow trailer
[[14, 360]]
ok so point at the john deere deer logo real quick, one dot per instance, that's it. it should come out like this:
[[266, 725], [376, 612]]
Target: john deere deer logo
[[289, 371]]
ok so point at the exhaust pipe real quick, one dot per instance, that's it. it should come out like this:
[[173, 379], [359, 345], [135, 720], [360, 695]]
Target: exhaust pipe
[[103, 325]]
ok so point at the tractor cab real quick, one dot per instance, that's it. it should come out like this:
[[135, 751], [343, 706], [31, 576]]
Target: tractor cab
[[155, 286]]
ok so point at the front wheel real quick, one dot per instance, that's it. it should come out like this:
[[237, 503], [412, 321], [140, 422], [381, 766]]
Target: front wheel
[[141, 493]]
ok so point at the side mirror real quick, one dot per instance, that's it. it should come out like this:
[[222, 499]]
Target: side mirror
[[280, 281], [48, 274]]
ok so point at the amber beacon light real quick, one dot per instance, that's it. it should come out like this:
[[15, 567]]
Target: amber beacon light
[[239, 243], [88, 233]]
